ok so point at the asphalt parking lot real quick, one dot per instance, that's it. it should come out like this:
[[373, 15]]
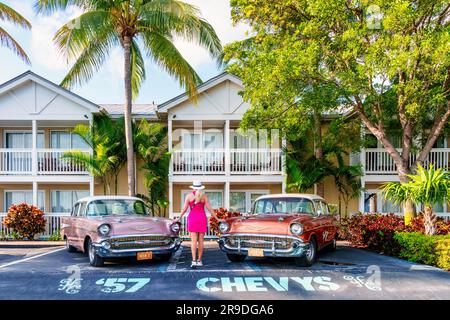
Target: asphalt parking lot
[[348, 273]]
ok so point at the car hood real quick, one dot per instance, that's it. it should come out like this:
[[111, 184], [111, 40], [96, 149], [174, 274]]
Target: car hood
[[136, 225], [266, 223]]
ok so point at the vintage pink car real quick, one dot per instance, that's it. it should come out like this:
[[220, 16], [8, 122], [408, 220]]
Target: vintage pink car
[[118, 226]]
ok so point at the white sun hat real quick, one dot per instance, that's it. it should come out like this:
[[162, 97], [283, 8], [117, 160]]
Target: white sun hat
[[197, 185]]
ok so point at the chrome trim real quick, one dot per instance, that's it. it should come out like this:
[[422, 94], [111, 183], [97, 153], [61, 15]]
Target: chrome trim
[[173, 245], [261, 235], [141, 235]]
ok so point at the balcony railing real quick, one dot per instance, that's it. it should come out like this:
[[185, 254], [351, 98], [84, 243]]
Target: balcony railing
[[241, 161], [48, 161], [378, 161]]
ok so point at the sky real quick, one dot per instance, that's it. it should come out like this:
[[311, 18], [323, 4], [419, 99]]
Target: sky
[[107, 85]]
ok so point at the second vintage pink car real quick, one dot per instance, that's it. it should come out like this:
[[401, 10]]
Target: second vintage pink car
[[118, 226]]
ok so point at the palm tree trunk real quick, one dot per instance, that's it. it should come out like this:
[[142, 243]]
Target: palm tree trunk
[[318, 151], [409, 209], [429, 220], [128, 120]]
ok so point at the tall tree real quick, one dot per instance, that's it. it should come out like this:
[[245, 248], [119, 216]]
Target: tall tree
[[8, 14], [388, 60], [131, 24]]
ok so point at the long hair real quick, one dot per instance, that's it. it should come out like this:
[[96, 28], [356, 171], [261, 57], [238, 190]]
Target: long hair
[[198, 196]]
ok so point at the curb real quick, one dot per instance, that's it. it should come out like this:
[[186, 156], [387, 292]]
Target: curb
[[31, 245]]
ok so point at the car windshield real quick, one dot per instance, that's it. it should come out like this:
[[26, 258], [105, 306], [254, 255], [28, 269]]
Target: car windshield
[[116, 207], [283, 206]]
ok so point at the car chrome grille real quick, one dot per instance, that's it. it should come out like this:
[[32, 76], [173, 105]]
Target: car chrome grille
[[259, 242], [140, 242]]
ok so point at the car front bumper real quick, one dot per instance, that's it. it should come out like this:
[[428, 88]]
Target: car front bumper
[[297, 248], [117, 253]]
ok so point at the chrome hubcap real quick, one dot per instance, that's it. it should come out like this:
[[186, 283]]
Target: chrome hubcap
[[91, 253], [310, 252]]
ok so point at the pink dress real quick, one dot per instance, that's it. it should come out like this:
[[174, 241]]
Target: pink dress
[[197, 220]]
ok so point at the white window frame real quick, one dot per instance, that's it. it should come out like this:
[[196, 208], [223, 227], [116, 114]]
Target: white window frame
[[248, 198], [71, 141], [20, 131], [21, 190], [187, 191], [71, 190]]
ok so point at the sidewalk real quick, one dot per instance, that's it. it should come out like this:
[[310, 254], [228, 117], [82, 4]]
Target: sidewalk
[[30, 244]]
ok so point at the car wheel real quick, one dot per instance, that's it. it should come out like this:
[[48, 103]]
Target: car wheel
[[332, 246], [94, 259], [69, 247], [236, 257], [310, 256], [165, 257]]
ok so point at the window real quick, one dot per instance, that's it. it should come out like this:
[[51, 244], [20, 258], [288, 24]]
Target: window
[[67, 140], [213, 140], [82, 211], [23, 140], [280, 205], [23, 196], [321, 207], [62, 200], [390, 207], [116, 207], [242, 201], [75, 209]]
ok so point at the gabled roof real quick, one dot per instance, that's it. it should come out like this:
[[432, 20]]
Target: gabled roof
[[31, 76], [164, 107]]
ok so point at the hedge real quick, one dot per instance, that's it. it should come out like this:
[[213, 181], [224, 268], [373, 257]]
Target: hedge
[[431, 250]]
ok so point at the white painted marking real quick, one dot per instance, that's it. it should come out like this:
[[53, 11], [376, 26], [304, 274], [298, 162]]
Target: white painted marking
[[174, 260], [30, 258]]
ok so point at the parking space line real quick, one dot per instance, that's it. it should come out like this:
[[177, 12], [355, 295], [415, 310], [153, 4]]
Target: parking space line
[[29, 258]]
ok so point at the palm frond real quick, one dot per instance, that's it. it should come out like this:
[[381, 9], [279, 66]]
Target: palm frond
[[9, 14], [8, 41], [137, 69]]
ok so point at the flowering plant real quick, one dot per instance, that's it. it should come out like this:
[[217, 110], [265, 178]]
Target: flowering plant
[[25, 220], [221, 214]]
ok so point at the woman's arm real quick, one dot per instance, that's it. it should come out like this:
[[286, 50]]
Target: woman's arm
[[185, 207]]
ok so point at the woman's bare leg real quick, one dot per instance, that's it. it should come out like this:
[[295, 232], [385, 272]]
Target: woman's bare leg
[[194, 239], [201, 237]]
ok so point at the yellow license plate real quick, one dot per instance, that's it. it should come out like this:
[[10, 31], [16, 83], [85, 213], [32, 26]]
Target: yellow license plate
[[253, 252], [144, 255]]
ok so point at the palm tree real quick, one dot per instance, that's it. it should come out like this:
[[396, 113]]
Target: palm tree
[[426, 187], [152, 146], [9, 14], [104, 161], [131, 24]]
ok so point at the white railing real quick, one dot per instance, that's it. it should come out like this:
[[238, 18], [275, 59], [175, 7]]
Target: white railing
[[15, 161], [241, 161], [188, 161], [185, 234], [378, 161], [48, 161], [255, 161], [52, 227]]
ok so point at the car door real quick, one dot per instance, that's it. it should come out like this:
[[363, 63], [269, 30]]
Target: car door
[[68, 223], [330, 224], [321, 223], [78, 226]]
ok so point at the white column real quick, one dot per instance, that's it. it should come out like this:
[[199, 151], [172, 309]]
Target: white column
[[283, 164], [35, 193], [227, 147], [169, 142], [91, 185], [226, 196], [34, 147], [361, 197], [170, 199]]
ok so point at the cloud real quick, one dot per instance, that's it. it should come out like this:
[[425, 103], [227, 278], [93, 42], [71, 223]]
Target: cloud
[[43, 49], [218, 14]]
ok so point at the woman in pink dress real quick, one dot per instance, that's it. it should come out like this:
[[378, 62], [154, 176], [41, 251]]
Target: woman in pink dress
[[197, 221]]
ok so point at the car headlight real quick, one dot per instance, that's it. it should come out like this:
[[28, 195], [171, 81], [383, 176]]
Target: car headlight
[[296, 228], [175, 227], [104, 229], [224, 227]]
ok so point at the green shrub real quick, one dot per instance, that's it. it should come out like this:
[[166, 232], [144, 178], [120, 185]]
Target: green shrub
[[431, 250], [56, 236]]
